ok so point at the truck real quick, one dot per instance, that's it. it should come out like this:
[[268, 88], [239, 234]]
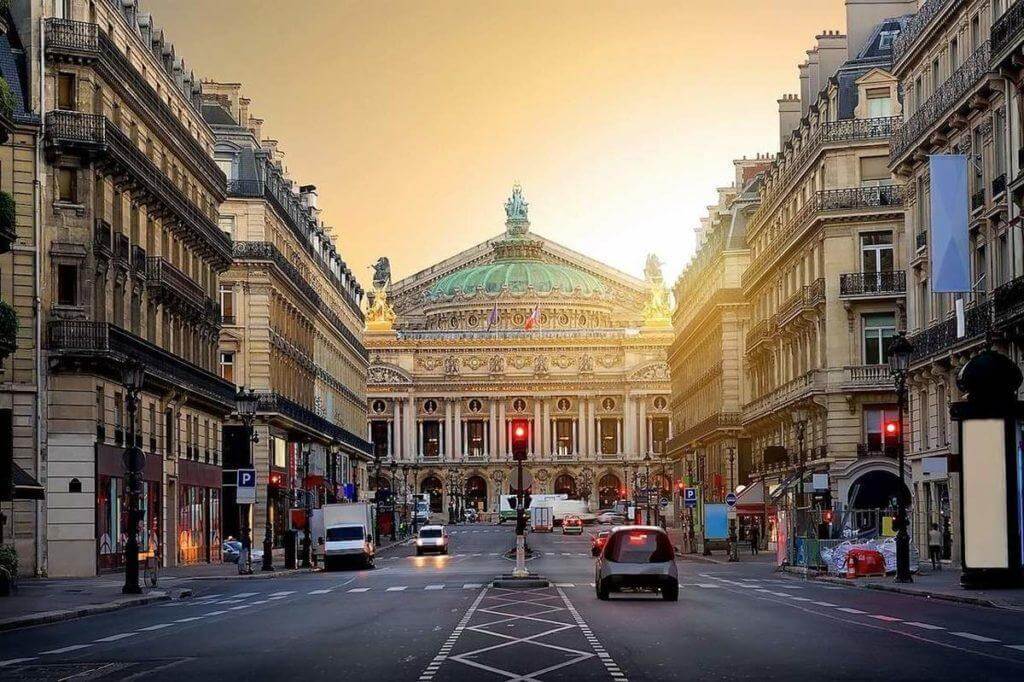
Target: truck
[[421, 508], [541, 518], [507, 512], [348, 534], [566, 507]]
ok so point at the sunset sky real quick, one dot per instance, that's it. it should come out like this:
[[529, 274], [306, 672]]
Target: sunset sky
[[414, 118]]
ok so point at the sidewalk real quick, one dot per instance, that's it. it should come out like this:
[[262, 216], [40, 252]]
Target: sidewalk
[[944, 585], [45, 600], [720, 557]]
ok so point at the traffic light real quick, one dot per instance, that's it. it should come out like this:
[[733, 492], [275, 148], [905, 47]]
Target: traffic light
[[526, 500], [826, 516], [892, 428], [520, 439], [276, 478]]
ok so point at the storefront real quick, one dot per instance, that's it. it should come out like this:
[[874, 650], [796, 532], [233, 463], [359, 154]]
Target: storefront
[[111, 510], [199, 507]]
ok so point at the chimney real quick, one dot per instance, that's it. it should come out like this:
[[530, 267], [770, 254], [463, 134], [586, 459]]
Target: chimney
[[832, 52], [814, 82], [862, 16], [789, 117], [805, 83], [309, 195], [243, 110]]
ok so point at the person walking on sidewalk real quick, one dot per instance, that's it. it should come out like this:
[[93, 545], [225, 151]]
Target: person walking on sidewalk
[[935, 547], [755, 538]]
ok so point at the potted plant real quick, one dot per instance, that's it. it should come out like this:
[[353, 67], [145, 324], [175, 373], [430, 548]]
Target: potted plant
[[8, 569]]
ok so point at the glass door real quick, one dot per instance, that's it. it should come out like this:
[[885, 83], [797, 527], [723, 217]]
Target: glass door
[[876, 260]]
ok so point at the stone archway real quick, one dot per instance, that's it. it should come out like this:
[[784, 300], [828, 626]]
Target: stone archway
[[565, 483], [432, 487], [609, 490], [877, 489], [476, 493]]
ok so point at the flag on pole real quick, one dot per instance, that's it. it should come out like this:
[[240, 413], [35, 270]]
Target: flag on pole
[[534, 319], [492, 319]]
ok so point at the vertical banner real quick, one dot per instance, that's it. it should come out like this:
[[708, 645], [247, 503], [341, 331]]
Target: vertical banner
[[948, 250]]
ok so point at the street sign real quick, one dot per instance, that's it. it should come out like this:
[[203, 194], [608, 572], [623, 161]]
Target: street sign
[[246, 482], [664, 503], [730, 499], [690, 498]]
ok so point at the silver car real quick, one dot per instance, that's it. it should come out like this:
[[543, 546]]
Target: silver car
[[637, 558], [432, 539]]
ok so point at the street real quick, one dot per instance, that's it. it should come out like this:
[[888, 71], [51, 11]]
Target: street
[[435, 618]]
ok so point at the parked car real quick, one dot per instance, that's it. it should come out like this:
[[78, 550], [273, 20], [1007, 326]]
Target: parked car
[[572, 525], [637, 558], [230, 551], [598, 541], [610, 517], [432, 539]]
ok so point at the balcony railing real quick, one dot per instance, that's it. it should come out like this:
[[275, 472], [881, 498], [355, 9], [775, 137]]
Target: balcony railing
[[122, 247], [884, 283], [1007, 31], [849, 130], [81, 41], [138, 258], [719, 420], [775, 399], [93, 134], [110, 346], [1008, 302], [760, 331], [917, 26], [865, 450], [941, 337], [172, 282], [951, 92], [245, 250], [868, 375], [821, 203], [978, 199], [805, 299], [275, 402]]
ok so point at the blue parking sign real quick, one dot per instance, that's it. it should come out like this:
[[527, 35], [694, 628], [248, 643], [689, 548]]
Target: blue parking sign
[[690, 497], [246, 490]]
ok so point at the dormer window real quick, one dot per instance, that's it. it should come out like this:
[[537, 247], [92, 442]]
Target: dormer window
[[885, 39]]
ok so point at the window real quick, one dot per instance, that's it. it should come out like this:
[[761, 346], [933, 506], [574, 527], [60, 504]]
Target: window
[[380, 438], [227, 366], [431, 438], [941, 410], [227, 165], [152, 427], [885, 39], [980, 268], [67, 284], [118, 418], [639, 547], [608, 436], [874, 171], [66, 91], [954, 55], [876, 257], [998, 142], [975, 32], [475, 437], [923, 419], [101, 415], [879, 330], [563, 436], [879, 103], [227, 225], [874, 419], [659, 435], [227, 304], [922, 304], [67, 185]]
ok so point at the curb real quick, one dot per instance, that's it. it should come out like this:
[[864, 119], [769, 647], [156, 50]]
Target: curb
[[47, 617], [257, 575], [926, 594]]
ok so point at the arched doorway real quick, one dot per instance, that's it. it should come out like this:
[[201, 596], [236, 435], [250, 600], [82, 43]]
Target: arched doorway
[[565, 483], [476, 493], [878, 489], [609, 489], [431, 486]]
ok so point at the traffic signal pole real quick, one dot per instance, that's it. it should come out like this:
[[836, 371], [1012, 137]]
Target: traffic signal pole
[[520, 569]]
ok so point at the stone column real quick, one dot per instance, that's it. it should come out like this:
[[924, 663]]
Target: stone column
[[644, 446], [581, 428], [502, 431], [593, 441], [618, 436], [419, 438], [409, 412], [537, 437], [492, 425]]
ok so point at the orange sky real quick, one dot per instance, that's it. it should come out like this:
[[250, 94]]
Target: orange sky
[[414, 117]]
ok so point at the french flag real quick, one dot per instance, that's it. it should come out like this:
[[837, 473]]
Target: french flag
[[534, 319]]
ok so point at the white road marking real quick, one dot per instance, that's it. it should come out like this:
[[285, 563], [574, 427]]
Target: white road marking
[[1018, 647], [805, 599], [114, 638], [396, 589], [240, 607], [246, 594], [565, 584], [845, 609], [284, 593], [434, 587], [923, 626], [12, 661], [213, 613], [360, 589], [158, 626], [823, 603], [189, 620], [887, 619], [65, 649], [230, 601], [972, 636], [471, 586], [321, 591]]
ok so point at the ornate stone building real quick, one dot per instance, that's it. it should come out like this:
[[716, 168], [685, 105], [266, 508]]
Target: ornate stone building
[[290, 327], [452, 363]]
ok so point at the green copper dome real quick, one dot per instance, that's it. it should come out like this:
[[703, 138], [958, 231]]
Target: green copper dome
[[517, 275]]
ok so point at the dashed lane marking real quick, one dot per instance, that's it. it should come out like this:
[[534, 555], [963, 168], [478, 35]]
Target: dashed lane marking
[[434, 587], [923, 626], [360, 589], [65, 649], [1018, 647], [114, 638], [824, 603], [12, 661], [471, 586], [847, 609], [321, 591], [974, 637], [158, 626], [887, 619], [398, 588]]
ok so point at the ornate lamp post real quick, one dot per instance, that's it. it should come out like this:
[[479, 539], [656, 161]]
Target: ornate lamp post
[[393, 469], [376, 496], [899, 366], [133, 374], [245, 405], [405, 493], [800, 415]]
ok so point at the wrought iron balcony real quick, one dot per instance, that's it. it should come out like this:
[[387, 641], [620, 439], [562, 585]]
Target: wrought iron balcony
[[787, 393], [246, 250], [806, 298], [715, 422], [245, 188], [108, 346], [954, 90], [1007, 33], [918, 25], [761, 331], [865, 450], [84, 42], [1008, 302], [941, 337], [169, 283], [867, 284], [886, 198], [277, 403], [94, 137]]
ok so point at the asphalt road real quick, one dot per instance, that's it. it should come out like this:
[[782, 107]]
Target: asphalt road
[[433, 618]]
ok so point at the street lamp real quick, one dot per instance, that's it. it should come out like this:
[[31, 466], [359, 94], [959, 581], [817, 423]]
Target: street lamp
[[133, 374], [405, 492], [245, 404], [900, 351], [800, 416], [393, 469]]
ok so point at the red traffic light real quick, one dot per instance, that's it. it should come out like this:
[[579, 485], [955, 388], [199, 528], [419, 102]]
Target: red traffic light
[[520, 439], [827, 516], [892, 428], [276, 478], [519, 432]]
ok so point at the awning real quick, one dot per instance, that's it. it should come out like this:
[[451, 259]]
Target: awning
[[26, 487], [751, 499], [792, 483]]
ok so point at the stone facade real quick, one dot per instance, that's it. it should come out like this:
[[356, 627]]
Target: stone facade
[[457, 365]]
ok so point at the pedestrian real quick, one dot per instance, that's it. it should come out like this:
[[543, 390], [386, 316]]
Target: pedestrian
[[935, 547], [755, 538]]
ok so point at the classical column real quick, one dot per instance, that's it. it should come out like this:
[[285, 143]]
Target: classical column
[[458, 435], [537, 437], [575, 437], [396, 428], [618, 436], [492, 424], [581, 428], [502, 431], [419, 437], [411, 444], [391, 452], [628, 442], [448, 437], [643, 426]]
